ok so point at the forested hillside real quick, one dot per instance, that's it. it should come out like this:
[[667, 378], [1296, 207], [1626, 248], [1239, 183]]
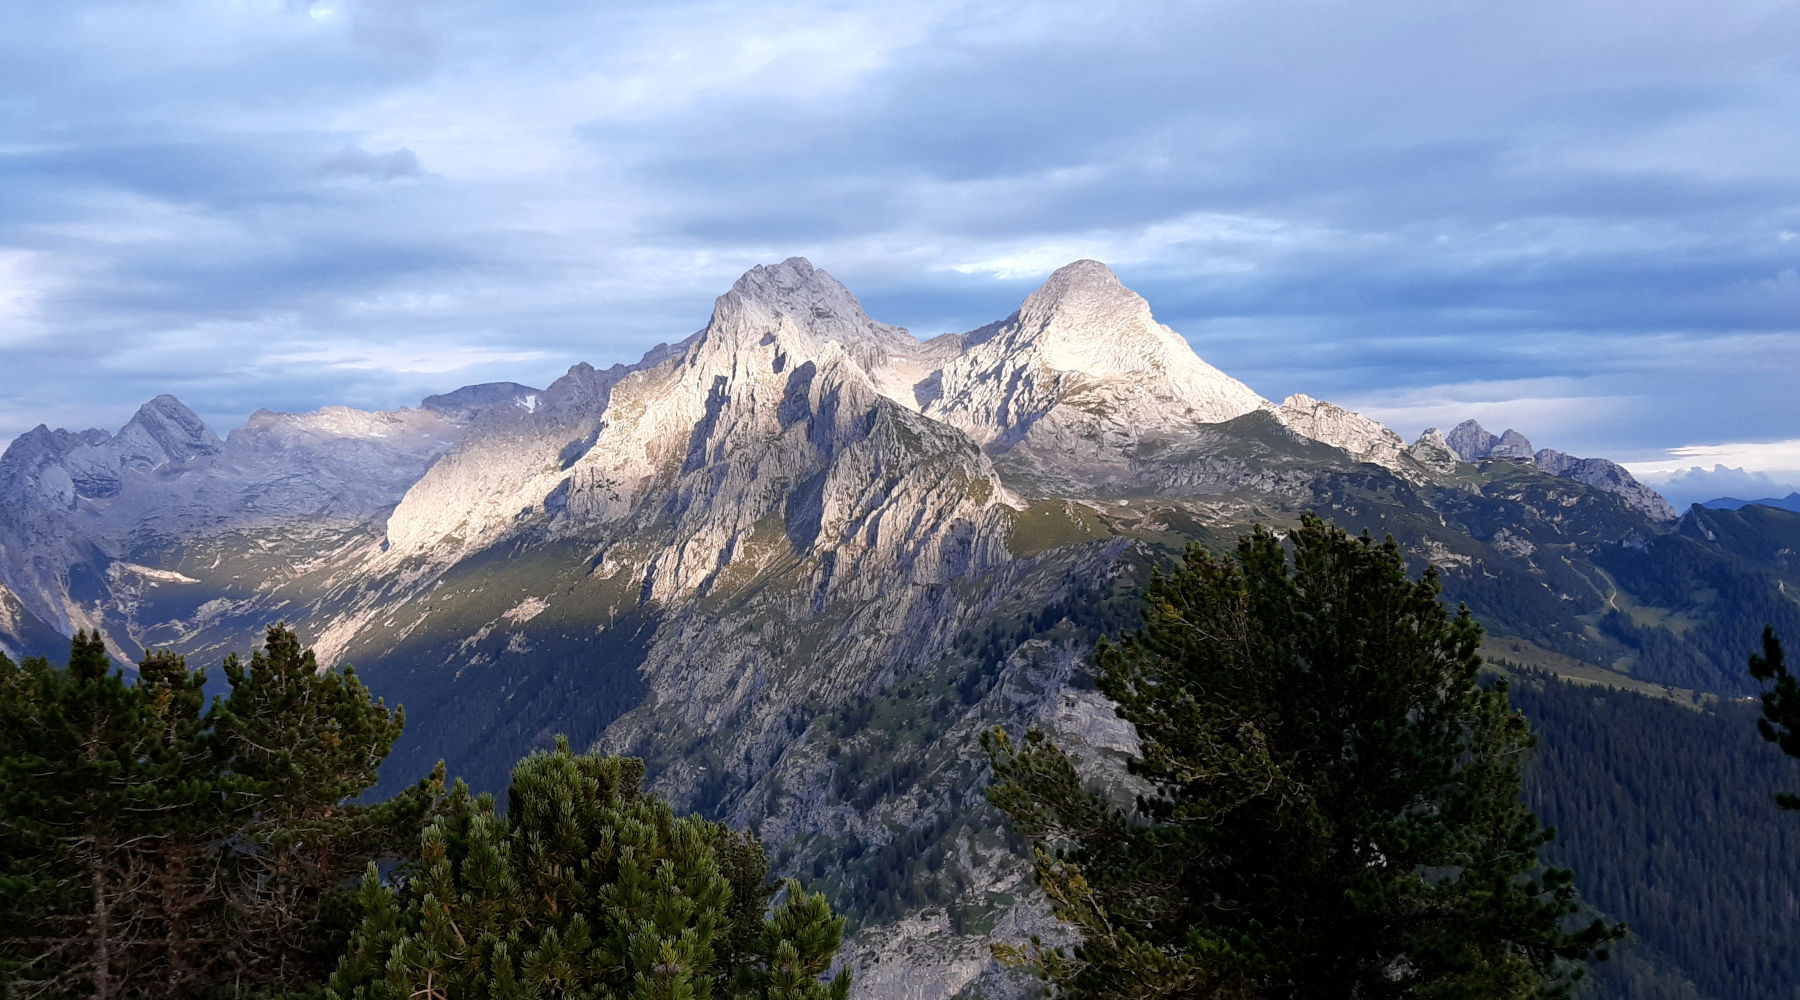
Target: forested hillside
[[1665, 812]]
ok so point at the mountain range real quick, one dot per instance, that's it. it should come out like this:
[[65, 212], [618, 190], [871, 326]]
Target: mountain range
[[799, 559], [1789, 502]]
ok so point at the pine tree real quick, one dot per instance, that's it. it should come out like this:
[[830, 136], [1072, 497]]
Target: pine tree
[[1780, 722], [301, 744], [101, 794], [587, 886], [1330, 799], [149, 848]]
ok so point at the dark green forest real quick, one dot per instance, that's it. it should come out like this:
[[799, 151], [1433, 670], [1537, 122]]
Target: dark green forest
[[1666, 813]]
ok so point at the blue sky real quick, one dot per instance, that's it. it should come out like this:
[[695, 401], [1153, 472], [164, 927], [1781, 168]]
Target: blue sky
[[1579, 219]]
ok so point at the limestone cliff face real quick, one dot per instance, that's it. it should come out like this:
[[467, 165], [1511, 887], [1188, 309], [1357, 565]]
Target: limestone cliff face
[[1433, 452], [1364, 439], [1082, 373], [1610, 476]]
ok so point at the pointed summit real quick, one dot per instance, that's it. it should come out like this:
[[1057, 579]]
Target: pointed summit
[[1470, 441], [1083, 368], [794, 277], [1083, 319], [803, 303], [1083, 280], [1433, 452], [165, 430]]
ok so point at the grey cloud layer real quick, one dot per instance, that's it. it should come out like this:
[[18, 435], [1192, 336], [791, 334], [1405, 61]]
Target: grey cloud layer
[[1579, 219]]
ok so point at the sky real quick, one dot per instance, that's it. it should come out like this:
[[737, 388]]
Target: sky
[[1578, 219]]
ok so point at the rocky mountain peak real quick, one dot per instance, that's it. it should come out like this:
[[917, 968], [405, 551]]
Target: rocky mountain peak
[[797, 302], [1433, 452], [1083, 281], [1512, 444], [165, 430], [465, 405], [1470, 441], [1607, 475], [1082, 368], [793, 279], [1084, 320]]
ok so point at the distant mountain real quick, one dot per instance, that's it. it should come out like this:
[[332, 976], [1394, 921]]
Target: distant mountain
[[799, 560], [1789, 502], [1472, 443]]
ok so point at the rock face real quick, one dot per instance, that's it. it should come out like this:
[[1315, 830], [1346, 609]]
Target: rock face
[[1433, 452], [1607, 475], [1082, 374], [1472, 443], [1366, 440], [1512, 444]]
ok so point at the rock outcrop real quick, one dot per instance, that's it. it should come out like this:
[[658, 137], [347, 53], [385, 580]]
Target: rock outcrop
[[1433, 452], [1364, 439], [1610, 476], [1473, 443]]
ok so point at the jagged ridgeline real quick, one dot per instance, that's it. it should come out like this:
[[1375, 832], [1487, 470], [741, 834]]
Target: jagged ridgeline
[[799, 559]]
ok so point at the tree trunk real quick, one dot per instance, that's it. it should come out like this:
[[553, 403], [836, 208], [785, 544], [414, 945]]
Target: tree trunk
[[102, 931]]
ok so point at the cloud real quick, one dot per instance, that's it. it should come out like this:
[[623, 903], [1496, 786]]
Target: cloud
[[414, 358], [357, 163], [1697, 485], [1776, 457], [1573, 220]]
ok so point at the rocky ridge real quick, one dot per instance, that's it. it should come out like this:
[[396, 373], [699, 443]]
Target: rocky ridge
[[1472, 443], [75, 504]]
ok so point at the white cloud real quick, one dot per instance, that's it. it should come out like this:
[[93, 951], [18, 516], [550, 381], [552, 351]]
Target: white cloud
[[1192, 243], [26, 279], [1773, 458], [1698, 485], [401, 358]]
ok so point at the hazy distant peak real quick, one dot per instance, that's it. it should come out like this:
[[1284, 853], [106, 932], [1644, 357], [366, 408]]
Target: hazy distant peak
[[471, 401], [1472, 443], [165, 430]]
